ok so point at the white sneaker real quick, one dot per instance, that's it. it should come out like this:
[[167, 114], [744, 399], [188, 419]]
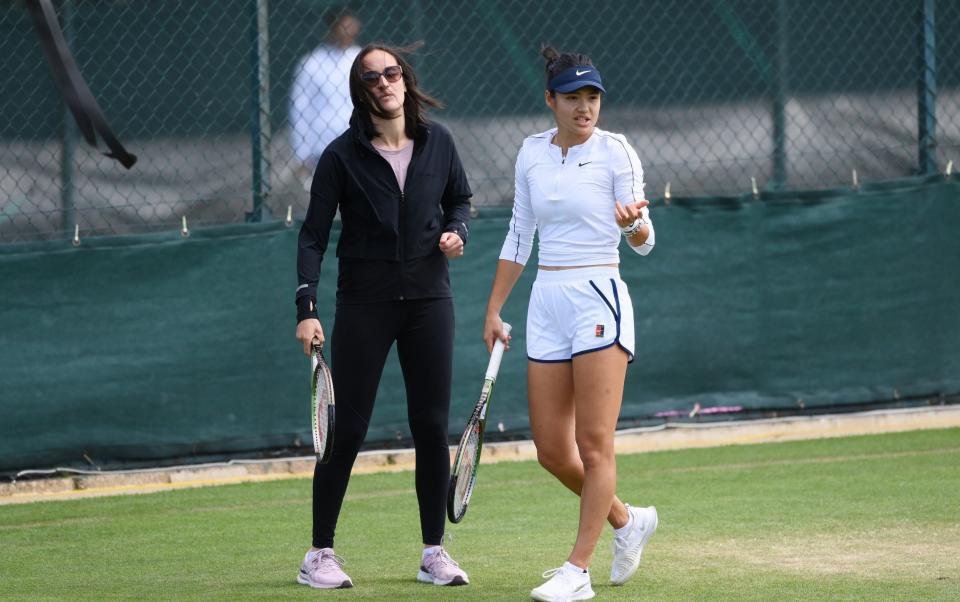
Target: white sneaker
[[566, 583], [627, 548]]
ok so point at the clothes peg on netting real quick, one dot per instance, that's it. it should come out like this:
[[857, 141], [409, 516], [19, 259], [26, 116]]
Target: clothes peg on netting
[[666, 194], [289, 221], [184, 231], [753, 187], [949, 169], [856, 182], [76, 235]]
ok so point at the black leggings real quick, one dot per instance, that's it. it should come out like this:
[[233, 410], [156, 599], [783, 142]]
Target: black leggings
[[362, 337]]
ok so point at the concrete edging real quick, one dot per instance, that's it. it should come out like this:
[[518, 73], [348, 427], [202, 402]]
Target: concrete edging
[[639, 440]]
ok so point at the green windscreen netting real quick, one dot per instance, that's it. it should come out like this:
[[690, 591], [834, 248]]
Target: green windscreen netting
[[160, 348], [793, 93]]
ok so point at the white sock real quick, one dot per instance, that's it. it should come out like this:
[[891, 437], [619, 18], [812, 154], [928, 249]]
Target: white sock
[[624, 530], [572, 567], [430, 551]]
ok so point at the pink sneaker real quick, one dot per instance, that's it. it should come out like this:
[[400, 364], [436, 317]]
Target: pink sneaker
[[322, 570], [439, 569]]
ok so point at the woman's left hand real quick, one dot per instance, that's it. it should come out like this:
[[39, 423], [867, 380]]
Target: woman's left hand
[[451, 245], [627, 214]]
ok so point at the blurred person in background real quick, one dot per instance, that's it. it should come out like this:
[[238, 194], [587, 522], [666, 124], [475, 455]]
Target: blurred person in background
[[320, 104]]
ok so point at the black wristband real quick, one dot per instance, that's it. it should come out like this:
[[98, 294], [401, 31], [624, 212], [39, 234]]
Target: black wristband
[[306, 308]]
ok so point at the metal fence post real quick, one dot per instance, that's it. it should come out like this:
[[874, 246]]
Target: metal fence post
[[68, 140], [927, 90], [260, 110], [780, 72]]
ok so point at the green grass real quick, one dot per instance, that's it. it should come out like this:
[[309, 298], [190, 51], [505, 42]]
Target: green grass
[[860, 518]]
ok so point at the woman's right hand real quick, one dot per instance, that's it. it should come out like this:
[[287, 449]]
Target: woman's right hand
[[493, 330], [308, 331]]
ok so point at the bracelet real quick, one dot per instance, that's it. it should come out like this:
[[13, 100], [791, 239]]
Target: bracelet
[[632, 228]]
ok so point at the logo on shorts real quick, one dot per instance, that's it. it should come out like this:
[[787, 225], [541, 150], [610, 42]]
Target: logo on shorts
[[599, 330]]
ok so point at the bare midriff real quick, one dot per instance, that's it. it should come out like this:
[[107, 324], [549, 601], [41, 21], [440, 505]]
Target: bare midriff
[[554, 268]]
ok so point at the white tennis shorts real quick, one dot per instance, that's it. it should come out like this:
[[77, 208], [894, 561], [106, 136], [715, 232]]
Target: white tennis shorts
[[577, 311]]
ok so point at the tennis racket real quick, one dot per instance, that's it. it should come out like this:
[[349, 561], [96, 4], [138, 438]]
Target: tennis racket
[[463, 475], [321, 404]]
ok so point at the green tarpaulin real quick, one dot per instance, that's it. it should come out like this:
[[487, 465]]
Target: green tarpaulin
[[160, 348]]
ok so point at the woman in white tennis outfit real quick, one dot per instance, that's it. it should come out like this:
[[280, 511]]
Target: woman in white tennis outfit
[[581, 188]]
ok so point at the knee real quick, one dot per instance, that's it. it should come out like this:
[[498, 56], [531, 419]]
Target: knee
[[595, 452], [555, 461], [349, 435], [428, 427]]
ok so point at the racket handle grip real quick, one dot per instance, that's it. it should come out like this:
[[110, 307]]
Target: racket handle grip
[[497, 355]]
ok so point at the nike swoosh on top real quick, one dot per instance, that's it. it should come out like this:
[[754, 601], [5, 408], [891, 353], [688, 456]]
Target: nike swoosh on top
[[582, 164], [579, 73]]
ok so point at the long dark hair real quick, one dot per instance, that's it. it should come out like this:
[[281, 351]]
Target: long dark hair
[[415, 102], [557, 62]]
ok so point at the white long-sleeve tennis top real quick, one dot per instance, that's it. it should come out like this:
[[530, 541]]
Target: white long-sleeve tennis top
[[570, 200]]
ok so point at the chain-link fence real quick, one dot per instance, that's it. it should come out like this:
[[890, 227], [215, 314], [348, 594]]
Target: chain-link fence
[[792, 93]]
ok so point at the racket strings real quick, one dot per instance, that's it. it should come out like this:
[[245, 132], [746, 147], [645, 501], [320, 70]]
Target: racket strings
[[324, 387], [323, 393], [322, 406], [467, 469]]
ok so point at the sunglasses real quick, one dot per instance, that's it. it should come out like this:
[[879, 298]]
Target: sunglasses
[[392, 74]]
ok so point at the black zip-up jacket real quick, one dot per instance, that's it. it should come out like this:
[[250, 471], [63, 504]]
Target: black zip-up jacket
[[388, 247]]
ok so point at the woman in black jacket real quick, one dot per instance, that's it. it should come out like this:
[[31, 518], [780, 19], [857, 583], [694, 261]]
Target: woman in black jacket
[[404, 203]]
